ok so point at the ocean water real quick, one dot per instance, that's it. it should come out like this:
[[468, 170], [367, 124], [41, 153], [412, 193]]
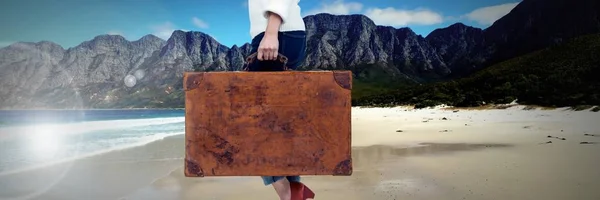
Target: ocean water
[[37, 138]]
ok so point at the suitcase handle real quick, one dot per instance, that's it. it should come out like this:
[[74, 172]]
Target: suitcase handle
[[252, 57]]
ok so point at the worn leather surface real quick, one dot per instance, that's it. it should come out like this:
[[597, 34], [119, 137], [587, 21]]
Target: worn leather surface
[[267, 123]]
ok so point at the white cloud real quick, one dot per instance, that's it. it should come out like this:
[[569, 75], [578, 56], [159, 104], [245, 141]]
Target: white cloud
[[199, 23], [452, 18], [245, 4], [381, 16], [400, 17], [164, 30], [405, 17], [488, 15], [115, 32], [338, 7]]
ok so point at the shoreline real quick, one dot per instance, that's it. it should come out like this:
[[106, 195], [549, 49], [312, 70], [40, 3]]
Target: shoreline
[[88, 156], [489, 107], [407, 106], [89, 109]]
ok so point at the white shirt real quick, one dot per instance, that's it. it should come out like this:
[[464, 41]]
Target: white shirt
[[288, 10]]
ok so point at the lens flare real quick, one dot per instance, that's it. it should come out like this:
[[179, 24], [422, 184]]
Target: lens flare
[[139, 74], [130, 80], [45, 142]]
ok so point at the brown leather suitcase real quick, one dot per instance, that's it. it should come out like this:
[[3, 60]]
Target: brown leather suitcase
[[267, 123]]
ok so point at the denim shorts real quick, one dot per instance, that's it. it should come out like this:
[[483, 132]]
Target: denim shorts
[[292, 44], [267, 180]]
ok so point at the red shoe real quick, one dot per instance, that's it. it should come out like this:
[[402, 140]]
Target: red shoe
[[300, 191]]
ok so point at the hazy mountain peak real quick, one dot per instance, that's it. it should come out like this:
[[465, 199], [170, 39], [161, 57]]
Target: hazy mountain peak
[[460, 26], [107, 37], [190, 37], [406, 31], [105, 42], [150, 38], [330, 21]]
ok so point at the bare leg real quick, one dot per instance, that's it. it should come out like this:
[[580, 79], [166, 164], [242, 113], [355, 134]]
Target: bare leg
[[282, 187]]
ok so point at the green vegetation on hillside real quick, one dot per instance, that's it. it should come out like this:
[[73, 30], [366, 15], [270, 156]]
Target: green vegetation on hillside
[[562, 75], [372, 80]]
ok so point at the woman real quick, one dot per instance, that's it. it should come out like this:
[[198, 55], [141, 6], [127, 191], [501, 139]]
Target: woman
[[276, 27]]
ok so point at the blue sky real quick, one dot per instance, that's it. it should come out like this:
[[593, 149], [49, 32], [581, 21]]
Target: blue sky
[[70, 22]]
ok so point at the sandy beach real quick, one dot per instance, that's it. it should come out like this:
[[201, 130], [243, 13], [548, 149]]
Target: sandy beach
[[398, 153]]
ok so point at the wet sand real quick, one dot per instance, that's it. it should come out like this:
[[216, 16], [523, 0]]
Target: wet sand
[[398, 153]]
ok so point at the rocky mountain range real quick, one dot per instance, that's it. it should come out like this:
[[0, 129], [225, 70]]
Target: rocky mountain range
[[94, 74]]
